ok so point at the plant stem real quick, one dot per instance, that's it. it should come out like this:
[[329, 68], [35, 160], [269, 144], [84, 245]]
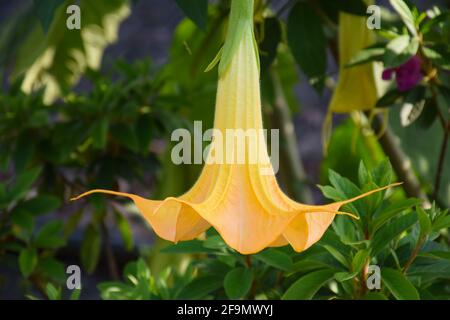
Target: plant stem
[[109, 253], [440, 167], [413, 255], [400, 162]]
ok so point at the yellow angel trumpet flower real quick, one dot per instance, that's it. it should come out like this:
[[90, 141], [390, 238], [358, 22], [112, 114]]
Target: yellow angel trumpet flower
[[356, 88], [245, 206]]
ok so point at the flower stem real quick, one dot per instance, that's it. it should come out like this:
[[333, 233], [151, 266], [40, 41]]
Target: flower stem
[[414, 254], [440, 167], [400, 162]]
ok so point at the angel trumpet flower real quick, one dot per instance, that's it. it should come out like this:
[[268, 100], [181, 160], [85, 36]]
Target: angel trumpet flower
[[356, 88], [247, 208]]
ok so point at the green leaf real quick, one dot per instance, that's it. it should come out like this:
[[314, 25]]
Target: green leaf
[[238, 282], [72, 223], [99, 133], [399, 50], [23, 219], [24, 152], [54, 61], [215, 242], [391, 210], [24, 181], [40, 205], [307, 265], [90, 248], [200, 287], [424, 221], [52, 268], [269, 45], [392, 230], [124, 230], [53, 293], [307, 42], [196, 10], [428, 115], [413, 106], [126, 136], [50, 236], [405, 13], [45, 10], [191, 246], [430, 23], [373, 53], [375, 296], [354, 7], [389, 98], [398, 285], [442, 222], [144, 132], [28, 260], [363, 174], [337, 255], [275, 258], [359, 260], [306, 287], [75, 295]]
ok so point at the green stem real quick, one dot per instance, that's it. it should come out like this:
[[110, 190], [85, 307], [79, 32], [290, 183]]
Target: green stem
[[440, 167], [400, 162], [241, 19], [414, 254]]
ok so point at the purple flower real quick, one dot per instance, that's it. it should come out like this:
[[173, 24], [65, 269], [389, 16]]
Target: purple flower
[[407, 76]]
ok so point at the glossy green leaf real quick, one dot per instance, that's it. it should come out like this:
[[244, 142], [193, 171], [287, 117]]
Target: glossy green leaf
[[307, 42], [43, 203], [392, 230], [23, 182], [200, 287], [275, 258], [191, 246], [269, 45], [405, 13], [400, 50], [100, 133], [196, 10], [424, 221], [45, 9], [307, 286], [28, 260], [90, 248], [50, 236], [398, 285], [238, 282]]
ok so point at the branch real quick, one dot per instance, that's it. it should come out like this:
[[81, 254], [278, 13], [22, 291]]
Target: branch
[[440, 168], [109, 252], [400, 162]]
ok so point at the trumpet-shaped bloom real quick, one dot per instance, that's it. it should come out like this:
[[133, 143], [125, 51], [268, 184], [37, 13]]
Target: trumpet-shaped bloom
[[243, 202], [356, 88]]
